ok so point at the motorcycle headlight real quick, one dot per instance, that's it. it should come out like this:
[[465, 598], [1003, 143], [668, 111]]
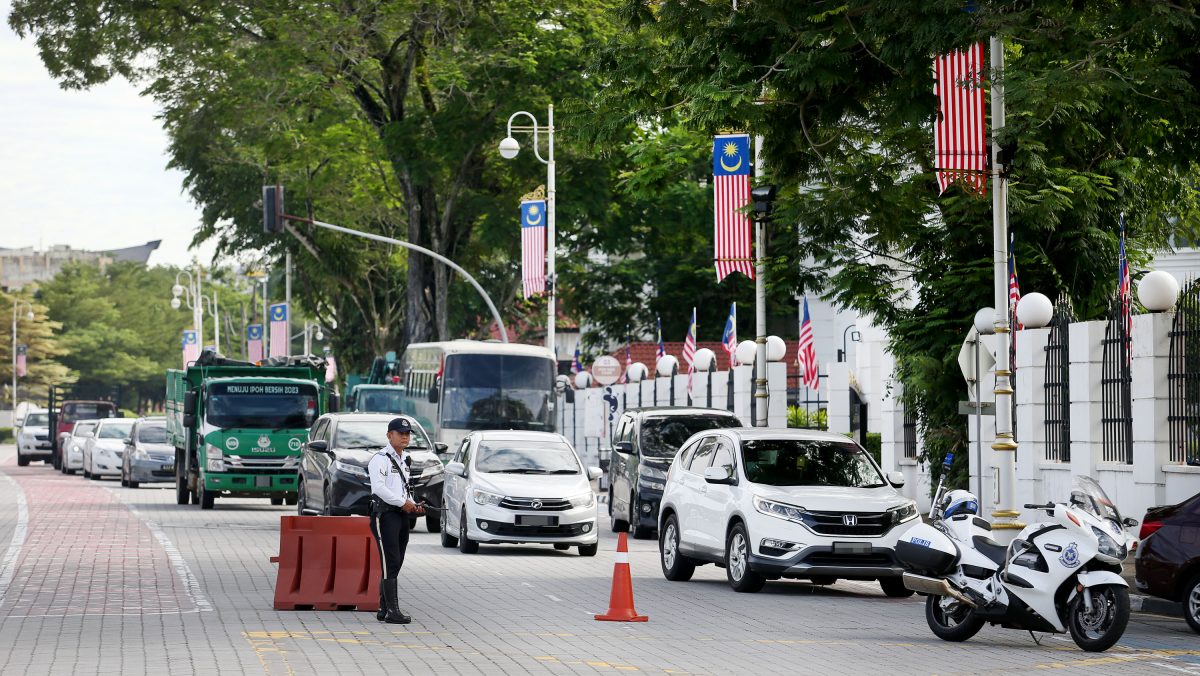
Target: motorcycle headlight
[[1108, 549], [485, 498], [351, 469], [779, 510], [903, 512], [583, 500], [215, 459]]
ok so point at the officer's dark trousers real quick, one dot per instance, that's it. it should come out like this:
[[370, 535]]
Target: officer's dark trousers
[[391, 534]]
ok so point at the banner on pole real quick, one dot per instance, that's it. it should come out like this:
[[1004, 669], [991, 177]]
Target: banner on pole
[[731, 192], [278, 316], [22, 351], [254, 342], [533, 247], [191, 346]]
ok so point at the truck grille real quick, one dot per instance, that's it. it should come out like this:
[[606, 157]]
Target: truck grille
[[237, 462], [547, 504], [867, 524]]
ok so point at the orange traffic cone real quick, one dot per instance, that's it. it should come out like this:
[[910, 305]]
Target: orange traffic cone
[[620, 604]]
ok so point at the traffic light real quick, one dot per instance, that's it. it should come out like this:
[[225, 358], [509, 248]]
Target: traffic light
[[764, 201], [272, 203]]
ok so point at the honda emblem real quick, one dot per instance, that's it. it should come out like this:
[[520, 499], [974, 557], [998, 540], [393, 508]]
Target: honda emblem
[[850, 519]]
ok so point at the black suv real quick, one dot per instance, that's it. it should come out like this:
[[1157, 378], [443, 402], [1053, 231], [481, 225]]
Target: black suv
[[644, 446]]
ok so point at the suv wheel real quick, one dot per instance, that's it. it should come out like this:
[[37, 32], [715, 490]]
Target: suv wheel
[[1191, 603], [675, 566], [618, 525], [737, 562], [589, 550], [640, 532]]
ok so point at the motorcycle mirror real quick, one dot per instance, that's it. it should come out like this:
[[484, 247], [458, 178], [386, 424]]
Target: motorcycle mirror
[[1129, 522]]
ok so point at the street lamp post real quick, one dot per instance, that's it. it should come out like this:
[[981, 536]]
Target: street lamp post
[[196, 302], [844, 354], [508, 150], [17, 303]]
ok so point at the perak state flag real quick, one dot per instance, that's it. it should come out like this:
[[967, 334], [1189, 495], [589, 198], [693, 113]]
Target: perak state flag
[[731, 193], [254, 342], [22, 351], [278, 316], [191, 346], [959, 144], [533, 247]]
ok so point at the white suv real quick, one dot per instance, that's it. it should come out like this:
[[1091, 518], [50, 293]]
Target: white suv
[[772, 503]]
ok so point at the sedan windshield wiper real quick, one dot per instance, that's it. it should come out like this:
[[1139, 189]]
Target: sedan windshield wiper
[[519, 470]]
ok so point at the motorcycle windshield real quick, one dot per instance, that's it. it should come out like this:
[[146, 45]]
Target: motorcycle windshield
[[1087, 494]]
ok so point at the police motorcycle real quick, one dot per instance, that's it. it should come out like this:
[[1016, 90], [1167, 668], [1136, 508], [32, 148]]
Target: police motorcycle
[[1056, 576]]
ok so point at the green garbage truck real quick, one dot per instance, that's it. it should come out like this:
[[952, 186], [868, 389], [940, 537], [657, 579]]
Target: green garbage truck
[[239, 429]]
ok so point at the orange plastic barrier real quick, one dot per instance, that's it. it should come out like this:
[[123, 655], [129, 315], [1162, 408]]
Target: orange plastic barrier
[[620, 604], [326, 563]]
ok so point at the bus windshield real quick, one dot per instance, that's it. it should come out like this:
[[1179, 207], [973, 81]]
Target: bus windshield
[[262, 405], [496, 391]]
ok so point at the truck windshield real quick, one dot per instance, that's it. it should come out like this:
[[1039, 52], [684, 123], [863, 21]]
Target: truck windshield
[[379, 401], [497, 391], [796, 462], [37, 420], [262, 405]]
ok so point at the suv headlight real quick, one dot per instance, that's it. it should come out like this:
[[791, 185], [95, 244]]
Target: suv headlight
[[1107, 549], [903, 512], [430, 470], [485, 498], [348, 468], [214, 459], [583, 500], [779, 510]]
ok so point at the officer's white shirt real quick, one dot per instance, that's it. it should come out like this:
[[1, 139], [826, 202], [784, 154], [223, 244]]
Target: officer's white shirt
[[386, 483]]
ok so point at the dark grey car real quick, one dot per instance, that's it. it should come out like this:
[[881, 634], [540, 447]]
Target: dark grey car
[[148, 456]]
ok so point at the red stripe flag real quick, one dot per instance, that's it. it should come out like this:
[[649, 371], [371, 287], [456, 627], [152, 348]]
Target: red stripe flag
[[731, 192], [22, 350], [959, 144], [533, 247], [689, 349], [807, 358]]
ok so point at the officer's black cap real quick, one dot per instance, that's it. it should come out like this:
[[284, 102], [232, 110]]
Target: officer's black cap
[[399, 425]]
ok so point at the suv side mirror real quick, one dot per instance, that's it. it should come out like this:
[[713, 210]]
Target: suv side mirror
[[594, 473], [433, 394], [189, 403], [457, 469], [623, 447], [896, 479], [319, 446], [720, 475], [441, 447]]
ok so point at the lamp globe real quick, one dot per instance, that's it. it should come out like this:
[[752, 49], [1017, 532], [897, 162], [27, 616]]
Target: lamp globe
[[1158, 291], [1035, 310]]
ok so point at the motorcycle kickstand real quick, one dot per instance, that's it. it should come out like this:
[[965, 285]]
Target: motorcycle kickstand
[[1036, 640]]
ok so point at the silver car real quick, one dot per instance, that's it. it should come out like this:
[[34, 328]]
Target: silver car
[[33, 438], [148, 456], [103, 450], [72, 444]]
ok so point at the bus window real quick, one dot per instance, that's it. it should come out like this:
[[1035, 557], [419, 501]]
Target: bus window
[[488, 391]]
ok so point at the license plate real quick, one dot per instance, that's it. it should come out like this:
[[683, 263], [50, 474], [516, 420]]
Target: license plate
[[852, 548], [167, 468], [537, 520], [262, 482]]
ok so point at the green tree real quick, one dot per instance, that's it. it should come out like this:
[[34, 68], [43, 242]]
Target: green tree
[[43, 366]]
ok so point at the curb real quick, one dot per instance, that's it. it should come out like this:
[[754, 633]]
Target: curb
[[1149, 604]]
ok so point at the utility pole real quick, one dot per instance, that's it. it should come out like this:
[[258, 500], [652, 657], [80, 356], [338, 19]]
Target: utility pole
[[287, 296]]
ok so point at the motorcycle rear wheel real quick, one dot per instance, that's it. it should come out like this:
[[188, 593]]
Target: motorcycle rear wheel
[[956, 623], [1100, 629]]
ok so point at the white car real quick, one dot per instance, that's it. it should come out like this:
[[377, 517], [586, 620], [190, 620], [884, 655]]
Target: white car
[[73, 443], [103, 450], [772, 503], [33, 438], [510, 487]]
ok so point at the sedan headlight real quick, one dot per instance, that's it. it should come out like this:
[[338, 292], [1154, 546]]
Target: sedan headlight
[[215, 459], [779, 510], [351, 469], [583, 500], [903, 512], [486, 498], [139, 454], [1108, 549]]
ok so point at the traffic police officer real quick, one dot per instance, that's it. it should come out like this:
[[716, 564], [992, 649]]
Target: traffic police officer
[[391, 505]]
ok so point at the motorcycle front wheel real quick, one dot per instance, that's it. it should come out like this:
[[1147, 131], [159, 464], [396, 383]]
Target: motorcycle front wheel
[[951, 620], [1098, 629]]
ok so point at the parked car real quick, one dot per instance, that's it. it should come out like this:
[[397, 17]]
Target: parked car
[[517, 487], [33, 438], [645, 443], [103, 450], [772, 503], [148, 456], [71, 411], [72, 444], [1168, 559], [333, 472]]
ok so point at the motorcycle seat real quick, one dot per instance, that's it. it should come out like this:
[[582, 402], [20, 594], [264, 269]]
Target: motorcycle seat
[[991, 549]]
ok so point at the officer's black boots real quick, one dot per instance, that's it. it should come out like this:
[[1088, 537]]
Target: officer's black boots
[[382, 600], [392, 597]]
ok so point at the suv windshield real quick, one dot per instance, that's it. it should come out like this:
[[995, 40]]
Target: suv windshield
[[115, 430], [262, 405], [373, 434], [379, 401], [526, 457], [493, 391], [796, 462], [152, 434], [37, 420], [662, 436]]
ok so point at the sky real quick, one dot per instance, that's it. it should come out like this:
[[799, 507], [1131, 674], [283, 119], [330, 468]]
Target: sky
[[85, 168]]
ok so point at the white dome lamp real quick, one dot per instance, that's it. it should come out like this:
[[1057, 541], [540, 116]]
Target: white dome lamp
[[1158, 291], [175, 303], [705, 360], [1034, 310], [745, 352], [985, 321], [637, 372], [509, 148], [583, 380], [668, 366], [776, 348], [177, 290]]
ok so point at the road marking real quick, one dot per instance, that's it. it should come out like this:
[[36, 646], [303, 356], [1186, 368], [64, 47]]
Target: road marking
[[554, 598], [9, 566], [191, 585]]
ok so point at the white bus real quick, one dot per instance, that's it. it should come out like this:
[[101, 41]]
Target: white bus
[[455, 387]]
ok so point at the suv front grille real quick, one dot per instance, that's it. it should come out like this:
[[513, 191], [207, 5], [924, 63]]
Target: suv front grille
[[547, 504], [868, 524]]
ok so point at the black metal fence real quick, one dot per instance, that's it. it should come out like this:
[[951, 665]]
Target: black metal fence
[[1057, 386], [1115, 380], [1183, 378], [813, 408], [910, 434]]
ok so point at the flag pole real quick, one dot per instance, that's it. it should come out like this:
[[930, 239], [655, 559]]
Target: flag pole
[[1005, 446]]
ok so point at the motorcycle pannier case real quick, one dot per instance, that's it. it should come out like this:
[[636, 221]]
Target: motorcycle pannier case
[[925, 549]]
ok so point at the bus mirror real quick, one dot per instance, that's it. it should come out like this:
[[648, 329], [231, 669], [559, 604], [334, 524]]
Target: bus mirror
[[189, 403], [333, 402], [433, 394], [570, 395], [189, 421]]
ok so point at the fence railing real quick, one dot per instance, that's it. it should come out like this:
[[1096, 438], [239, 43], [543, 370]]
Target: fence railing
[[1183, 378], [1058, 383], [1115, 381]]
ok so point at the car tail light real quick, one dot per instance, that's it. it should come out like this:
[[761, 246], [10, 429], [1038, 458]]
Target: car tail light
[[1149, 528]]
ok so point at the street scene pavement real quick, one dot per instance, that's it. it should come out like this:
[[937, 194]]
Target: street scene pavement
[[99, 579]]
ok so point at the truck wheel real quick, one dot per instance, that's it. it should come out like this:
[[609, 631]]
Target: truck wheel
[[22, 461], [291, 499], [182, 494], [205, 497], [277, 501]]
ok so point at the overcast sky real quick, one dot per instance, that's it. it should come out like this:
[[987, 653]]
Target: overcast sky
[[85, 168]]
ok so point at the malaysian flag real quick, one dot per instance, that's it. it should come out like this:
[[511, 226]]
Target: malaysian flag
[[1014, 293], [689, 349], [533, 247], [661, 350], [1124, 289], [959, 146], [280, 340], [731, 192], [191, 347], [729, 335], [22, 350], [254, 342], [576, 364], [807, 357]]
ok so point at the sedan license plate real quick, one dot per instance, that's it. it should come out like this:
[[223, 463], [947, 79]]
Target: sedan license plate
[[167, 468], [852, 548], [537, 520]]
